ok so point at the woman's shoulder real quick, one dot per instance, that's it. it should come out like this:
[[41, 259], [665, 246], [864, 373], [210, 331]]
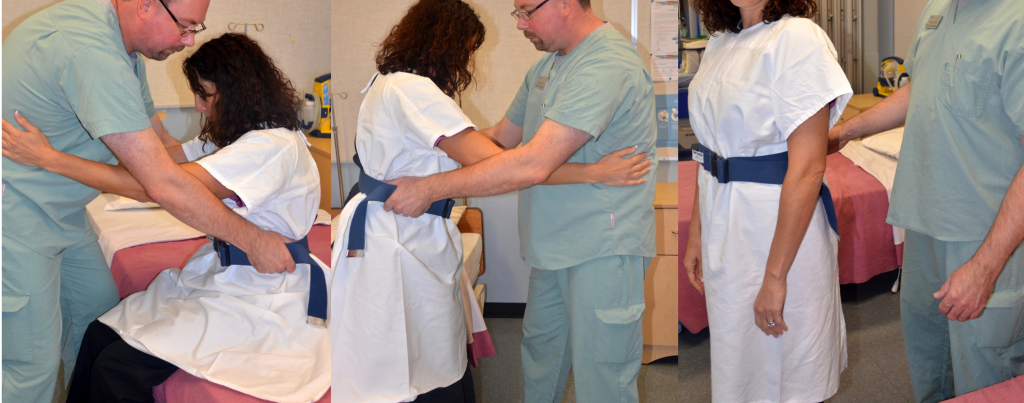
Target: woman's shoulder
[[792, 33], [791, 28]]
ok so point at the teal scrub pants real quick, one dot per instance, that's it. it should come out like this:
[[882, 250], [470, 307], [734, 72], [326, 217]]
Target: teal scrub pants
[[586, 318], [48, 302], [948, 356]]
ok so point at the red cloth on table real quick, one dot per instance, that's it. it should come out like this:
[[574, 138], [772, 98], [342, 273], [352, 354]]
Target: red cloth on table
[[866, 242], [1003, 392], [134, 268]]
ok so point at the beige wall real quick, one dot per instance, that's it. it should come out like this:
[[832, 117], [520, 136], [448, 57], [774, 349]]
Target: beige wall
[[906, 15], [296, 37]]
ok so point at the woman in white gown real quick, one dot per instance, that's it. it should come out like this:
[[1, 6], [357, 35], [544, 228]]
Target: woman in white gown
[[397, 324], [768, 84], [230, 325]]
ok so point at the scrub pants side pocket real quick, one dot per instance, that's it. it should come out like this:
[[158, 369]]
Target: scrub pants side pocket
[[17, 327], [623, 329], [1001, 324]]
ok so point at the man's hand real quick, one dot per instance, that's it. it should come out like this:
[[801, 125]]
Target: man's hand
[[836, 139], [29, 147], [269, 255], [615, 169], [966, 292], [410, 199]]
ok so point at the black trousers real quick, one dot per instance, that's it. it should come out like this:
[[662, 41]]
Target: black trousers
[[111, 371], [458, 392]]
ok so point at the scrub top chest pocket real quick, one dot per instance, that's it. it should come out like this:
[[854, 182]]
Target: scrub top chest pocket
[[965, 87]]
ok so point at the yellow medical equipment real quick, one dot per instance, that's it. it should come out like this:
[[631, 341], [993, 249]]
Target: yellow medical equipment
[[891, 76], [322, 88]]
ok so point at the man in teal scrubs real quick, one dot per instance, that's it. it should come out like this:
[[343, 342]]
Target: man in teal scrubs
[[73, 70], [589, 245], [959, 193]]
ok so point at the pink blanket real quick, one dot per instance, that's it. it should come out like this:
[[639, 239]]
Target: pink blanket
[[1004, 392], [866, 244]]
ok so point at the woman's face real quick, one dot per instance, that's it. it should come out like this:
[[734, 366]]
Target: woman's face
[[749, 4], [206, 105]]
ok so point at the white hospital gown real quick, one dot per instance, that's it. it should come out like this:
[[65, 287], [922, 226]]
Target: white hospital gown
[[232, 325], [752, 90], [397, 322]]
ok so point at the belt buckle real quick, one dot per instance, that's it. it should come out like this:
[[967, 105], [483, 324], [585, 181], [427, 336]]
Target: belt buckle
[[448, 205], [722, 173], [221, 247]]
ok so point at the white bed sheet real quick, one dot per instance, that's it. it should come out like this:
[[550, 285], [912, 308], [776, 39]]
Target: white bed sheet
[[126, 228], [881, 166]]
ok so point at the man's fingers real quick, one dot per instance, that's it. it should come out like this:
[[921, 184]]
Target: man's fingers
[[941, 295]]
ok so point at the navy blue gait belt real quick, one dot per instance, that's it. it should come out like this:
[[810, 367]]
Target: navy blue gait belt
[[316, 311], [767, 169], [378, 191]]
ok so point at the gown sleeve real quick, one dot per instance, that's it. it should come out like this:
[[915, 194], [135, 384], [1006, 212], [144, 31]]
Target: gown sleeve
[[425, 112], [255, 183], [805, 76]]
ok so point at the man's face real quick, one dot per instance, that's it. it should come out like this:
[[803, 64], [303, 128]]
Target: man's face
[[161, 36], [539, 28]]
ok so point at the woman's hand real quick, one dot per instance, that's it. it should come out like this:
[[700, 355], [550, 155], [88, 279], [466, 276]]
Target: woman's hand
[[616, 170], [29, 147], [692, 261], [768, 306]]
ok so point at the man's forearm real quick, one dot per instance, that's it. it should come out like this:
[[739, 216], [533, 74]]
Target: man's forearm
[[182, 195], [888, 114], [1007, 231]]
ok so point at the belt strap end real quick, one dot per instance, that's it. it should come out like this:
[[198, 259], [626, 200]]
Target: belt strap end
[[315, 321]]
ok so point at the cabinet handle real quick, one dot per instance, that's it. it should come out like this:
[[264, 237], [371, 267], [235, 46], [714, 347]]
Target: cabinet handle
[[675, 231]]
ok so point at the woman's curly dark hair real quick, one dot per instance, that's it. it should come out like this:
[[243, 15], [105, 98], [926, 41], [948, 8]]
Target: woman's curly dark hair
[[252, 93], [435, 39], [722, 16]]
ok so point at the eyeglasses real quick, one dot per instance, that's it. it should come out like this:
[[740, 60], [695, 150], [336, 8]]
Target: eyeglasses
[[525, 15], [184, 32]]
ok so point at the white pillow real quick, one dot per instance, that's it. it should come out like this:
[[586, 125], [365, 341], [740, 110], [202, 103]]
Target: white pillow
[[887, 142], [125, 203]]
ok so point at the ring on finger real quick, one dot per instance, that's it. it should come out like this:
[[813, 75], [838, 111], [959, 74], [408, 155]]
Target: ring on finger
[[772, 323]]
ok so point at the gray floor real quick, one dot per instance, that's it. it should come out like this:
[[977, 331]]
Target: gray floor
[[503, 382], [877, 366]]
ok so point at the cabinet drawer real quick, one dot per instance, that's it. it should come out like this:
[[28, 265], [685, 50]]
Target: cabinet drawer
[[666, 221]]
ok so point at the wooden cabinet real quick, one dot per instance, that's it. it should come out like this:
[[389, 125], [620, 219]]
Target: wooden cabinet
[[321, 150], [661, 285]]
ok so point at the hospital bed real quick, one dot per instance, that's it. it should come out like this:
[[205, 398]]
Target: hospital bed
[[139, 243], [860, 180]]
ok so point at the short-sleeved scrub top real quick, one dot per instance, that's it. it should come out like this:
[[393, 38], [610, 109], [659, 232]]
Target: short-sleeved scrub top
[[753, 89], [962, 145], [397, 323], [600, 87], [67, 71], [232, 325]]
